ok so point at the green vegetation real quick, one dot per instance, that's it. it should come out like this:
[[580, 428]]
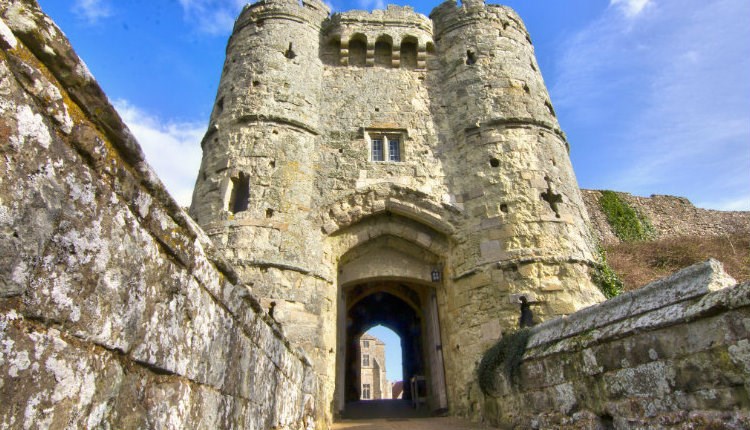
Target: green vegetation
[[628, 224], [605, 277], [508, 352]]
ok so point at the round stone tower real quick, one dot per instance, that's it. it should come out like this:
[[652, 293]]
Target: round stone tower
[[255, 189], [508, 168]]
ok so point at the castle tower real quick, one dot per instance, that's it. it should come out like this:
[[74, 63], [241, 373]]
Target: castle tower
[[381, 168], [508, 168], [255, 189]]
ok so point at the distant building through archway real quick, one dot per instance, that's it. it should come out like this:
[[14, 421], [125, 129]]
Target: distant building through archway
[[373, 374]]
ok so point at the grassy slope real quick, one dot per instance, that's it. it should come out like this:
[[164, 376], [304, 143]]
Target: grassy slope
[[638, 263]]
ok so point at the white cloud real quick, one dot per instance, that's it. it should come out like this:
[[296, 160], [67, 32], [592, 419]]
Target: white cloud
[[372, 4], [172, 148], [667, 97], [741, 203], [214, 17], [631, 8], [92, 10]]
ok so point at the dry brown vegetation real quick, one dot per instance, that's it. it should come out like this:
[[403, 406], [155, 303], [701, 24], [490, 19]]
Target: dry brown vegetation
[[638, 263]]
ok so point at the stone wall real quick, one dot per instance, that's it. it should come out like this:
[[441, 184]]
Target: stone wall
[[673, 354], [115, 311], [670, 216]]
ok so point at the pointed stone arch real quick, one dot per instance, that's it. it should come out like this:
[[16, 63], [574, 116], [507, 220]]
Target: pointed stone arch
[[351, 208], [386, 259]]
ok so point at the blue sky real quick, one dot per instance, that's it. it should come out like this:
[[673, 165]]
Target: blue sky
[[654, 95], [393, 369]]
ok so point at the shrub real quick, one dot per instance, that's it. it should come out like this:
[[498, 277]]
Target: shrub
[[508, 352]]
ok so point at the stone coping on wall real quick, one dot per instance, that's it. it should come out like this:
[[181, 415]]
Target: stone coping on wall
[[661, 303]]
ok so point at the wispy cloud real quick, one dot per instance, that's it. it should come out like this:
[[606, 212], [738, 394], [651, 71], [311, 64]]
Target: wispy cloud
[[92, 10], [214, 17], [172, 148], [667, 98], [631, 8], [741, 203], [371, 4]]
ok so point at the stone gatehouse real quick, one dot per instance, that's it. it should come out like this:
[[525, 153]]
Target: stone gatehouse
[[390, 168]]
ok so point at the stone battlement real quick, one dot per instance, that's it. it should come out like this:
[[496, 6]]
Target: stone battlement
[[312, 12], [407, 32], [450, 16]]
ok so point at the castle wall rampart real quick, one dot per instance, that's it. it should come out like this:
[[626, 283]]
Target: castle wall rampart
[[503, 80], [116, 310], [398, 30], [673, 354], [669, 216], [311, 12], [362, 104]]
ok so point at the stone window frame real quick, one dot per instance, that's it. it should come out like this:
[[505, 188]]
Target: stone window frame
[[365, 360], [365, 343], [366, 391], [384, 138]]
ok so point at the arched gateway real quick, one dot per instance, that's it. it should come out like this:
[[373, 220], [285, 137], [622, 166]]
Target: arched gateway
[[335, 188], [392, 279]]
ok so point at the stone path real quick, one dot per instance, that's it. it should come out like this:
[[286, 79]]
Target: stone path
[[397, 415], [437, 423]]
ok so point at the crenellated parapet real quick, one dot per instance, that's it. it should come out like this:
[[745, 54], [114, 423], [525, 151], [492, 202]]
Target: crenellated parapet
[[307, 11], [449, 16], [396, 37]]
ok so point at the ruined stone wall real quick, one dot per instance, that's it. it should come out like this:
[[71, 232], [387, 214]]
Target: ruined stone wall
[[670, 216], [673, 354], [115, 310]]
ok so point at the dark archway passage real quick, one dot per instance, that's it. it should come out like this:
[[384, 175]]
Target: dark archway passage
[[381, 308]]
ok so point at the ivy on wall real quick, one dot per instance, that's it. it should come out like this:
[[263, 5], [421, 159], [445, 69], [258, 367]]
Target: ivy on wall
[[508, 353], [628, 224], [605, 278]]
